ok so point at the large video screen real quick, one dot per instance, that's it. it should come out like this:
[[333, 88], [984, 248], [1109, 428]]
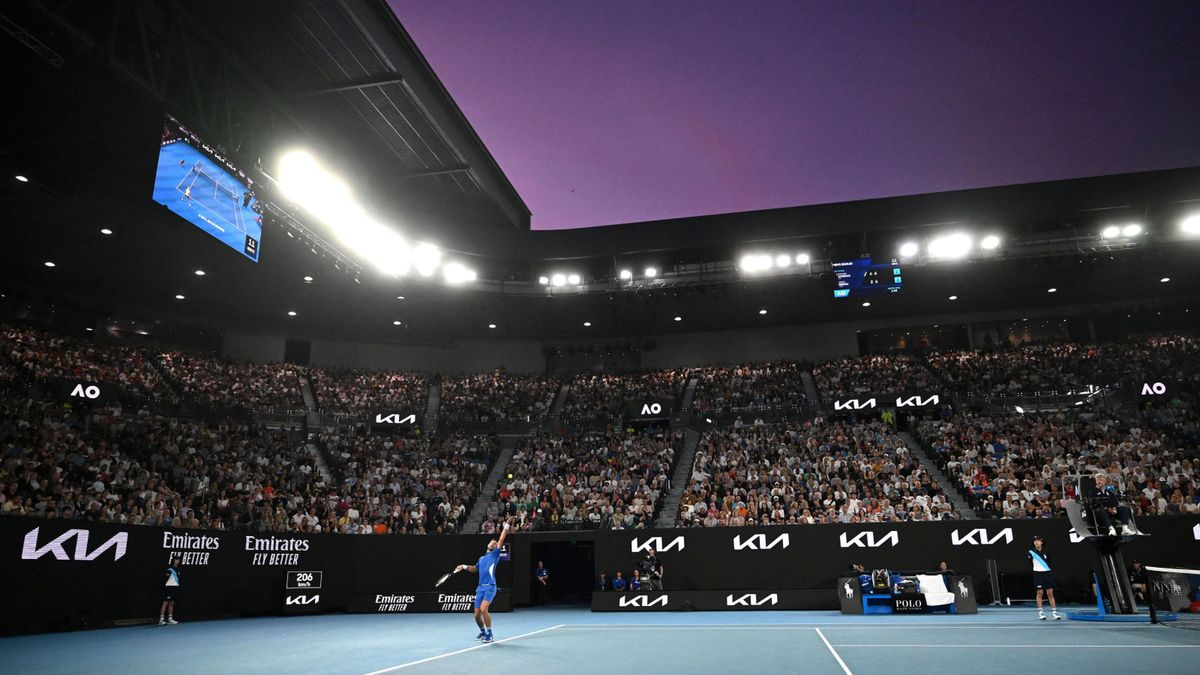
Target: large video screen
[[865, 276], [196, 183]]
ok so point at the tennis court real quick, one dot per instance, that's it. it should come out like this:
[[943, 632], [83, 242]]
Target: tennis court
[[577, 641]]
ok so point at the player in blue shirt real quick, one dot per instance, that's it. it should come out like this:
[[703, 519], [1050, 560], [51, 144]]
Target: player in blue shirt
[[486, 592]]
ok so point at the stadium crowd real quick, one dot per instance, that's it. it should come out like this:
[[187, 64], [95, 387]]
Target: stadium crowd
[[820, 471], [881, 374], [408, 485], [1024, 466], [498, 395], [218, 382], [602, 398], [590, 480], [28, 355], [360, 392], [748, 387]]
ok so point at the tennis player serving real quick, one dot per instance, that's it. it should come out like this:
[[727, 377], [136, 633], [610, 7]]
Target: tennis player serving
[[486, 592]]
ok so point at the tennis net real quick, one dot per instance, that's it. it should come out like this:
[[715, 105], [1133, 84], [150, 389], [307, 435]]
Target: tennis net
[[1173, 590]]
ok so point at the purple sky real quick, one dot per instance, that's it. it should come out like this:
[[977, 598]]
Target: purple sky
[[609, 111]]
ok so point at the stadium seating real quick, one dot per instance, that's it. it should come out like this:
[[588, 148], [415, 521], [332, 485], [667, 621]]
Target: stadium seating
[[816, 472]]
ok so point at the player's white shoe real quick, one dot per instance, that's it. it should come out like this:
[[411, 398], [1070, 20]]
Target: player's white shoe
[[162, 622], [1057, 617], [1112, 531], [1041, 617], [1128, 531], [171, 621]]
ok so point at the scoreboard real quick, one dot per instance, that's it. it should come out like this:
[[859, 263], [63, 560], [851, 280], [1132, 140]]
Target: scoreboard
[[866, 276]]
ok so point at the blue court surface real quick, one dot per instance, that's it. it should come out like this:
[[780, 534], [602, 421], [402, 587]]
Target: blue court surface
[[579, 642]]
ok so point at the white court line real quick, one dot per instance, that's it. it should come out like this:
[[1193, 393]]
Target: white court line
[[1070, 646], [461, 651], [834, 652], [832, 626]]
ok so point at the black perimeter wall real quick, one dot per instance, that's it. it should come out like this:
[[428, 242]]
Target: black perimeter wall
[[224, 577]]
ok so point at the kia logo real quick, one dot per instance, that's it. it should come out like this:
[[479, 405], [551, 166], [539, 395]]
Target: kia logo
[[395, 418], [642, 601], [979, 537], [868, 540], [31, 551], [916, 401], [657, 544], [758, 542], [303, 599], [854, 404], [751, 600]]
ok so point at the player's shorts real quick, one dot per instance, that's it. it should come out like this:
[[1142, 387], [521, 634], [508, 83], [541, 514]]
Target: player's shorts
[[169, 592], [1043, 580], [482, 593]]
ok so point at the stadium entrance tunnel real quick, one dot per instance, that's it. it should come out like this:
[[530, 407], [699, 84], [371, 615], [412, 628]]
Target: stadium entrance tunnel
[[572, 572]]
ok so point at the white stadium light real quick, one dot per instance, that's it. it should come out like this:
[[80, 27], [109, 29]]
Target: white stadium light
[[396, 323], [587, 324], [802, 259], [866, 304], [200, 273], [1110, 232], [329, 199], [908, 249], [1164, 280], [626, 275], [990, 242], [491, 325], [573, 279], [22, 179], [651, 272], [545, 281], [426, 258], [1051, 290], [1190, 224], [954, 246], [179, 296], [48, 264], [105, 231], [1131, 230], [783, 260], [755, 262], [457, 273], [559, 280], [762, 311], [679, 318], [292, 313]]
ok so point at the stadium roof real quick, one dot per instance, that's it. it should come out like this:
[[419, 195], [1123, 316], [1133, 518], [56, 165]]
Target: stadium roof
[[342, 78]]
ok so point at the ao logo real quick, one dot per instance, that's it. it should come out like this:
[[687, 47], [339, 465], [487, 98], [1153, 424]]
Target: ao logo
[[395, 418], [651, 408], [643, 601], [90, 391], [657, 544], [854, 404], [751, 600], [979, 537], [1156, 388], [303, 599], [30, 550], [758, 542], [868, 540]]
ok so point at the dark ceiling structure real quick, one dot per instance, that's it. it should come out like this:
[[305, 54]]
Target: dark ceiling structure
[[93, 80]]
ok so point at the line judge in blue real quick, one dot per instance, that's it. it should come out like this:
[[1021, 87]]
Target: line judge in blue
[[486, 591]]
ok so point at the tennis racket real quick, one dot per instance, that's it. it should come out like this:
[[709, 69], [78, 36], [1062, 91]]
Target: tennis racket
[[445, 577]]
